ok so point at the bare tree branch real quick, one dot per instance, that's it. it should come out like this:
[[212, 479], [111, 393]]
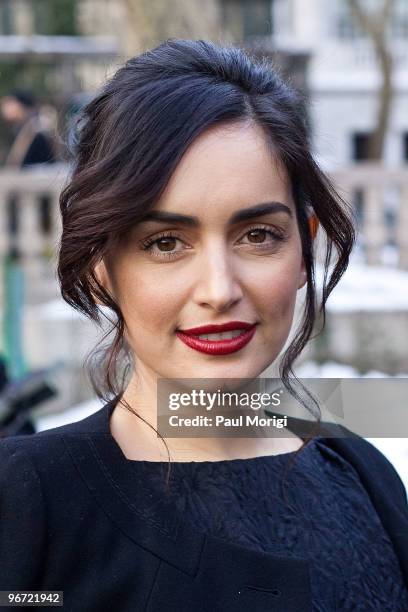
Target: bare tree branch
[[374, 26]]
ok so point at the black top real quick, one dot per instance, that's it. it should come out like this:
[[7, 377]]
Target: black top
[[328, 519], [77, 516]]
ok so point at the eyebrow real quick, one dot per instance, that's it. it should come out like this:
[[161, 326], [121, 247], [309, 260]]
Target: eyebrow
[[244, 214]]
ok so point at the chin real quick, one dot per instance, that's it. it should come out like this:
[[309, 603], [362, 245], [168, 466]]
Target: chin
[[209, 371]]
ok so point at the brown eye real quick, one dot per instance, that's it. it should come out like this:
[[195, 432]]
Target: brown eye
[[167, 242], [258, 235]]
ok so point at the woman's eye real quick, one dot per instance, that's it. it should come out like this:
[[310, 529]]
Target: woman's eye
[[167, 243], [261, 235], [257, 235], [163, 246]]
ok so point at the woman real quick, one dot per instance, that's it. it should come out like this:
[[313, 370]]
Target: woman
[[193, 202]]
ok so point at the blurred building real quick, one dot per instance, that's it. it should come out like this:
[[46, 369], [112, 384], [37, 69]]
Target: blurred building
[[315, 40], [344, 76], [42, 44]]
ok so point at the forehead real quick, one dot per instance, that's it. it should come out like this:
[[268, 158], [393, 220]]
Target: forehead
[[226, 168]]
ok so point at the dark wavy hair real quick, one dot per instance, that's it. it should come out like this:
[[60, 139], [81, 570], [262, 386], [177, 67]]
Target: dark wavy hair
[[130, 138]]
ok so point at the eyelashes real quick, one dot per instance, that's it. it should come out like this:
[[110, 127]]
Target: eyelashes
[[276, 236]]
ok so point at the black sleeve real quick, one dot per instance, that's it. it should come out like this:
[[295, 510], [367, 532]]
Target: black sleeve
[[22, 525], [40, 151]]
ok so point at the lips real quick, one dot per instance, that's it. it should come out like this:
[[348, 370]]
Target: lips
[[218, 347], [218, 328]]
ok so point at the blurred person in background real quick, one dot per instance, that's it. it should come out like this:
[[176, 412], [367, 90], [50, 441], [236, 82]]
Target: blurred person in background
[[32, 143]]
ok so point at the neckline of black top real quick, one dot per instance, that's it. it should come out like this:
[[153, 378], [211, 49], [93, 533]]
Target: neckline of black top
[[106, 413], [121, 487]]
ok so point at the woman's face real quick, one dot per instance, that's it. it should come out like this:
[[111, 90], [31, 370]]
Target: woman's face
[[213, 267]]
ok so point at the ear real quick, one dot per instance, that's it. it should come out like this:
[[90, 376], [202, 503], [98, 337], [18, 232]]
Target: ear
[[102, 276], [313, 224]]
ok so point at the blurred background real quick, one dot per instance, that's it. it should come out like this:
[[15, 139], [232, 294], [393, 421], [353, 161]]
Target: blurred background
[[349, 57]]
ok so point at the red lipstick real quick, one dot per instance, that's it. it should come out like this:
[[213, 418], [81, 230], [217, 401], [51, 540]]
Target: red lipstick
[[218, 347]]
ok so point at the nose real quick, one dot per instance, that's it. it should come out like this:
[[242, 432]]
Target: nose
[[218, 284]]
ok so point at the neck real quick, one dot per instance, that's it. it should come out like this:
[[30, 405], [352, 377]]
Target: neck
[[139, 441]]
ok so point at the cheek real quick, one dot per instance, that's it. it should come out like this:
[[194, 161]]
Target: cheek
[[277, 294], [147, 306]]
